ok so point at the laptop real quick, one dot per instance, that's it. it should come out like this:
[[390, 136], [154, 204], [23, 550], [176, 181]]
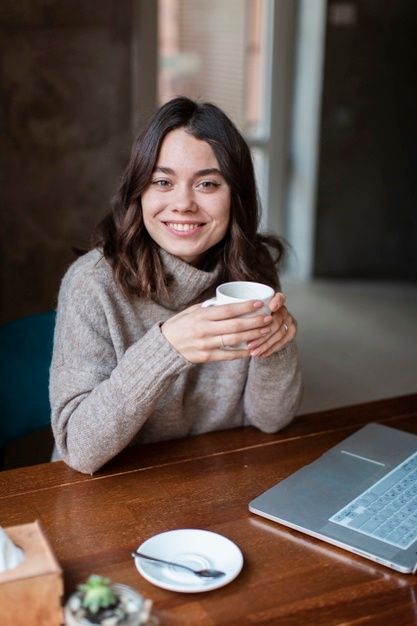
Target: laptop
[[360, 495]]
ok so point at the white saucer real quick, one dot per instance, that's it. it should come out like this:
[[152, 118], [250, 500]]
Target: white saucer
[[196, 548]]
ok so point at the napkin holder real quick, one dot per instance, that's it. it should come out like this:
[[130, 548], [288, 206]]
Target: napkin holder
[[31, 592]]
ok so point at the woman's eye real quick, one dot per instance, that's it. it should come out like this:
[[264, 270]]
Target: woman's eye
[[208, 184], [161, 182]]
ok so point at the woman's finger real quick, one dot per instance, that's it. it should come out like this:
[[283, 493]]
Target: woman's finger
[[276, 302], [278, 340], [228, 311], [245, 338], [277, 326], [246, 328]]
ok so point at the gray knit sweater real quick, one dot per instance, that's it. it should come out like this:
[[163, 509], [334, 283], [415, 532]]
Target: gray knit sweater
[[115, 380]]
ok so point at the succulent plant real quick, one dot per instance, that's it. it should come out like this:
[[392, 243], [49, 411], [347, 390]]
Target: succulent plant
[[100, 602], [97, 594]]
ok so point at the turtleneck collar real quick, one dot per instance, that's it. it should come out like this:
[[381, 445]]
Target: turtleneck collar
[[187, 282]]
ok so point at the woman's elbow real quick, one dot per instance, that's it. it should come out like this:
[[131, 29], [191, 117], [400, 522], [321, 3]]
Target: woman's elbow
[[82, 465], [73, 456]]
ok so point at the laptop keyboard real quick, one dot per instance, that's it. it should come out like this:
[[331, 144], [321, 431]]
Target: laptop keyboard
[[388, 510]]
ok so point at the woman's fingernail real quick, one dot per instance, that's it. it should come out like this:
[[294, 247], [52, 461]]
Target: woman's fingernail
[[257, 304], [267, 319]]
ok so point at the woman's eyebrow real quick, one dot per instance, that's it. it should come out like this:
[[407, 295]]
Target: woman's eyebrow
[[205, 172], [208, 171], [164, 170]]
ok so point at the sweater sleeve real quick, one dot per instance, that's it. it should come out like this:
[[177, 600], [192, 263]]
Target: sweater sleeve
[[99, 401], [273, 389]]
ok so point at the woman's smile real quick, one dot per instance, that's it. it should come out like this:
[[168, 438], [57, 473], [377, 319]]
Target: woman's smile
[[183, 228]]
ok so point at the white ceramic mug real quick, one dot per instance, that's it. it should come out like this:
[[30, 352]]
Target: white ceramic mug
[[242, 291]]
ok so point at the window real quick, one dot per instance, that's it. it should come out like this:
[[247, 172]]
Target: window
[[211, 49], [223, 52]]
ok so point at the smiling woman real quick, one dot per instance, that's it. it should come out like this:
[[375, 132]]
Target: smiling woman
[[136, 357]]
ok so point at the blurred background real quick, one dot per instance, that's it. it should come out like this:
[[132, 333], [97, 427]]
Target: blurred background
[[323, 91]]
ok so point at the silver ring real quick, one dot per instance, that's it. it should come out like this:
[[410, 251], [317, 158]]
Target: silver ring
[[222, 347], [285, 327]]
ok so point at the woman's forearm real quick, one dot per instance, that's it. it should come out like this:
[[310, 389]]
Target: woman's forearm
[[94, 418], [273, 390]]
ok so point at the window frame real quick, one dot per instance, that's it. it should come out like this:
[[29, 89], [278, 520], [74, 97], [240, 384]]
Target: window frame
[[273, 138]]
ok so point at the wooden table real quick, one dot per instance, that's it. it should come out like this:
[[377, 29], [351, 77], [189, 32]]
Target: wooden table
[[206, 482]]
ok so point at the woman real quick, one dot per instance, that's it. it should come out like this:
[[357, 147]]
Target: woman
[[136, 358]]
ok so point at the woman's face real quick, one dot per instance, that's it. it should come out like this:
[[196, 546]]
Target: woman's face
[[186, 206]]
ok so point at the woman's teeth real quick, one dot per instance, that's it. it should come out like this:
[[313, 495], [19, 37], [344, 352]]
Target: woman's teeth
[[182, 227]]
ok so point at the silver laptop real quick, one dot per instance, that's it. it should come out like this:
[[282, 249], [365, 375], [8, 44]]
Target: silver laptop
[[360, 495]]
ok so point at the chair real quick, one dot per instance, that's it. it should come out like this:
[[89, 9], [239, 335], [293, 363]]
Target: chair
[[25, 351]]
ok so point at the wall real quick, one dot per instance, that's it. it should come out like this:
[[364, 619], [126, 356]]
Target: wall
[[66, 128], [366, 203]]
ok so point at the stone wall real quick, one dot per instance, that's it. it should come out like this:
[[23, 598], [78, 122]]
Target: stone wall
[[66, 100]]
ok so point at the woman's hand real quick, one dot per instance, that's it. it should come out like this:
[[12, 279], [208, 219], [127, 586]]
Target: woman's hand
[[283, 329], [208, 334]]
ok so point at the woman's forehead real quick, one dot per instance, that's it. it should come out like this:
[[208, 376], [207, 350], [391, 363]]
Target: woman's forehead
[[180, 148]]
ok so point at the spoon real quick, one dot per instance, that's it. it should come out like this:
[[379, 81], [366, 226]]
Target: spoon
[[203, 573]]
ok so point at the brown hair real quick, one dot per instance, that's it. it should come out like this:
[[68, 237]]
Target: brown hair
[[243, 253]]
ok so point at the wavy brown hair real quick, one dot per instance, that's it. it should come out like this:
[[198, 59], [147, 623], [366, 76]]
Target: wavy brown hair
[[243, 253]]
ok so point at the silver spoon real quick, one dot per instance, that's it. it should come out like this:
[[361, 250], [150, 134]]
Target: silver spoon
[[204, 573]]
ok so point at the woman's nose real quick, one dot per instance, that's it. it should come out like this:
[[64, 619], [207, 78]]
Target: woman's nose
[[184, 199]]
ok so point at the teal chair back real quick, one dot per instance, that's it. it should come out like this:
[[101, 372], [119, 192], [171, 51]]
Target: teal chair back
[[25, 358]]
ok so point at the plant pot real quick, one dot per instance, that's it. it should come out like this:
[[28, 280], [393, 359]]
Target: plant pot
[[133, 610]]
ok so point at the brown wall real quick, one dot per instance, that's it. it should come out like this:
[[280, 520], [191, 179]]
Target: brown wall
[[66, 111]]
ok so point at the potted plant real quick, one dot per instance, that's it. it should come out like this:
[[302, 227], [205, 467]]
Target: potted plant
[[98, 602]]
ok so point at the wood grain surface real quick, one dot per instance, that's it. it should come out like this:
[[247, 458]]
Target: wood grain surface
[[288, 579]]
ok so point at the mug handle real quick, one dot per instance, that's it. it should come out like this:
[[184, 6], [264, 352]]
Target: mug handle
[[210, 302]]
